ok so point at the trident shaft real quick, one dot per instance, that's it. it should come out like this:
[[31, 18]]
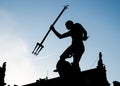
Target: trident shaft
[[39, 46]]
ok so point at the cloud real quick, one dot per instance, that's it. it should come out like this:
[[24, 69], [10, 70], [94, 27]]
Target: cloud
[[14, 50]]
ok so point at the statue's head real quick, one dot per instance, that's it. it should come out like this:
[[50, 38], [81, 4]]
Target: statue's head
[[69, 24]]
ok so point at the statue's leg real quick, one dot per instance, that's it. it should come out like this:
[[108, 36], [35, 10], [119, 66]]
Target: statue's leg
[[78, 52], [67, 53]]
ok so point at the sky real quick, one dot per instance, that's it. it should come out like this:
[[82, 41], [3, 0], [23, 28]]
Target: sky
[[23, 23]]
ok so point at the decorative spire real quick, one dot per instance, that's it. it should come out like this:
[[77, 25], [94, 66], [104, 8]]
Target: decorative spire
[[100, 62]]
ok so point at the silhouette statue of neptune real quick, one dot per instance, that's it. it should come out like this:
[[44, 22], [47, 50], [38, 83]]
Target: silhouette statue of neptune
[[78, 34]]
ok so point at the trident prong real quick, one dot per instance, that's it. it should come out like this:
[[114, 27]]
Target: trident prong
[[37, 49]]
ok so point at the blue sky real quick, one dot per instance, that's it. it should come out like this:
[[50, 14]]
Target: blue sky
[[25, 22]]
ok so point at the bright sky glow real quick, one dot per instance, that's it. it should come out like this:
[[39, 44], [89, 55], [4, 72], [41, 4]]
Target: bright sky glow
[[25, 22]]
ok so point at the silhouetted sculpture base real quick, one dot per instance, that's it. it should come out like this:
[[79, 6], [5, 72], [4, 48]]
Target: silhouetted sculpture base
[[66, 70]]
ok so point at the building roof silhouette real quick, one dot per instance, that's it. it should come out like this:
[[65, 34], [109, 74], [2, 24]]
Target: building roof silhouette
[[92, 77]]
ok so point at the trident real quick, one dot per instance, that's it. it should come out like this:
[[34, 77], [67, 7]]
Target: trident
[[39, 46]]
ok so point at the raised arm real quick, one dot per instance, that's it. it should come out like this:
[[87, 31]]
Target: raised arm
[[58, 34]]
